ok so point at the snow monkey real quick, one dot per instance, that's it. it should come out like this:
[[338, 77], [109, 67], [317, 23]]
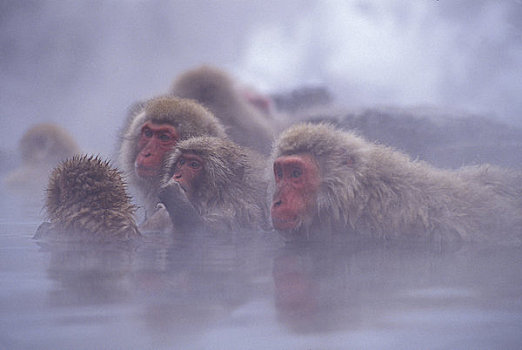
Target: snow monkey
[[246, 124], [87, 201], [328, 182], [41, 147], [212, 182], [153, 130]]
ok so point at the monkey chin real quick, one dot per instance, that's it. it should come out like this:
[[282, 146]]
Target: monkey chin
[[294, 227], [285, 224]]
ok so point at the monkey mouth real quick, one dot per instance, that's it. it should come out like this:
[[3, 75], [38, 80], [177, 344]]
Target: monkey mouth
[[145, 171], [285, 223], [181, 186]]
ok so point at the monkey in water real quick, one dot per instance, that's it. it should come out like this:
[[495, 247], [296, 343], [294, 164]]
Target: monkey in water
[[213, 183], [41, 147], [87, 201], [327, 182]]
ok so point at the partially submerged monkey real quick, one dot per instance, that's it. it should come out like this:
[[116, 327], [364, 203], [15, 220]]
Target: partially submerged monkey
[[87, 201], [327, 181], [213, 183]]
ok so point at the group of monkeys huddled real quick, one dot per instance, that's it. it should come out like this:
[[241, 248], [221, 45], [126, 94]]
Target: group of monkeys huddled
[[209, 156]]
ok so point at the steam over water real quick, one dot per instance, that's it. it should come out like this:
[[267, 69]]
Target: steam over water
[[81, 64]]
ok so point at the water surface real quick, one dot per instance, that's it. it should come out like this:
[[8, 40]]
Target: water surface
[[204, 293]]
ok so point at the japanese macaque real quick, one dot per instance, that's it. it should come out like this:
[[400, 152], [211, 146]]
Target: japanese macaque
[[329, 182], [152, 131], [87, 201], [41, 147], [241, 113], [214, 183]]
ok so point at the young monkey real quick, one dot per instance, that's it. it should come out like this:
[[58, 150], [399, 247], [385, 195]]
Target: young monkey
[[213, 183]]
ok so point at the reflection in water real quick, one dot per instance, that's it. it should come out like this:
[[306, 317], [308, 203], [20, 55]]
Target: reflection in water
[[189, 285], [390, 287], [307, 289], [88, 274], [211, 292]]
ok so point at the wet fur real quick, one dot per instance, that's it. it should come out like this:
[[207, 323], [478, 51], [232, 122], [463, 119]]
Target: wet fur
[[87, 199], [372, 190], [233, 189]]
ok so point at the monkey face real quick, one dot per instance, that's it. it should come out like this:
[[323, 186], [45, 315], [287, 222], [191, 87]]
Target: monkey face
[[154, 141], [297, 182], [188, 170]]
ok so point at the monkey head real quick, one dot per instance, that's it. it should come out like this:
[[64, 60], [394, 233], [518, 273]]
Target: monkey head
[[297, 182], [209, 85], [188, 172], [315, 175], [154, 141], [206, 167], [86, 196], [47, 143]]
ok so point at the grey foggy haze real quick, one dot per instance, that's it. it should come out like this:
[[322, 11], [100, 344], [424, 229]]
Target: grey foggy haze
[[83, 63]]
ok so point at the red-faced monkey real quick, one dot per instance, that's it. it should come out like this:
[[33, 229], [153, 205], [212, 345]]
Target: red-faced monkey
[[332, 182], [214, 183]]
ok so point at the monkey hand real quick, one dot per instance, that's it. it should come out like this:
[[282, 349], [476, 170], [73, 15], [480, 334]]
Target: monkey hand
[[181, 211]]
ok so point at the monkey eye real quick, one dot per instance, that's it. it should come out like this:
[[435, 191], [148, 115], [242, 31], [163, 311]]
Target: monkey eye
[[147, 132], [165, 137], [296, 173], [195, 164], [181, 161]]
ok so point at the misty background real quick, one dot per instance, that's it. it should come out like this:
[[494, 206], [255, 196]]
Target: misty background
[[83, 63]]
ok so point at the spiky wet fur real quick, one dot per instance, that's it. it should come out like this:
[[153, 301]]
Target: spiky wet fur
[[233, 189], [188, 117], [87, 199], [373, 190]]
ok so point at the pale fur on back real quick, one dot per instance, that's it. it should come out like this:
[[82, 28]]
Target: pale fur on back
[[371, 189], [233, 189]]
